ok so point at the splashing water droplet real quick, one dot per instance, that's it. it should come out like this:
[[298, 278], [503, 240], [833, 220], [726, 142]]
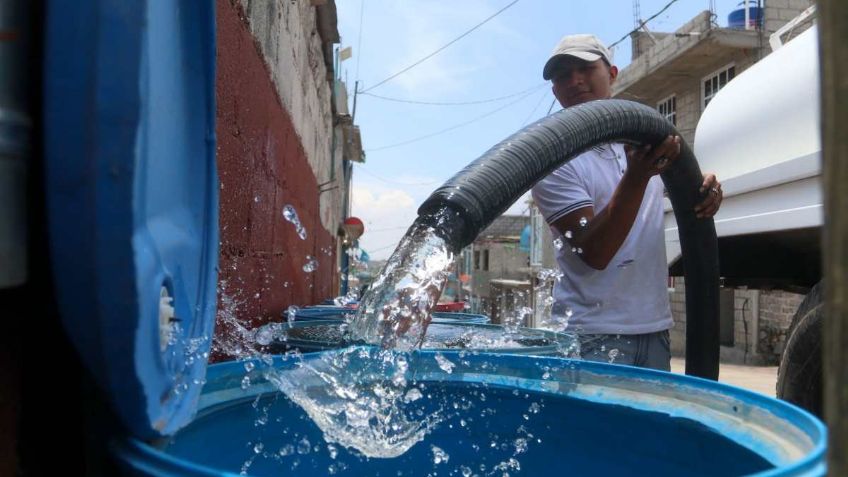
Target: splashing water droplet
[[290, 214], [287, 449], [520, 445], [439, 455], [612, 355], [546, 274], [583, 221], [558, 243], [579, 250], [248, 366], [258, 448], [264, 335], [412, 395], [311, 264], [291, 313], [303, 446], [445, 364], [568, 234], [256, 199], [333, 450]]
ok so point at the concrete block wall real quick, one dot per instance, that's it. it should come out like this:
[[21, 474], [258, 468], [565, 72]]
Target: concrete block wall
[[688, 110], [677, 300], [776, 311], [661, 51], [761, 319], [778, 12], [745, 305], [263, 156]]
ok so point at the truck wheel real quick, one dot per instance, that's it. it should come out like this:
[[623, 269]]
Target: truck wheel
[[799, 377]]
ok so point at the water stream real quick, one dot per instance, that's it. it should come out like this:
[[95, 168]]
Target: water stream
[[395, 312], [365, 399]]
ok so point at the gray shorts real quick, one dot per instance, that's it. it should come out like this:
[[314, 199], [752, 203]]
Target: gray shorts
[[650, 350]]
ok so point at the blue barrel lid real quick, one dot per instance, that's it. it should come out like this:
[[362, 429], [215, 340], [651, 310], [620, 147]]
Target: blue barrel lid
[[129, 131]]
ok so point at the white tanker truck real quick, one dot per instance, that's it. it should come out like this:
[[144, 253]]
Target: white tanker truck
[[761, 137]]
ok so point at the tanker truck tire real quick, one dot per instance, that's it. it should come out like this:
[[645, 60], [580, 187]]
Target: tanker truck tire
[[799, 377]]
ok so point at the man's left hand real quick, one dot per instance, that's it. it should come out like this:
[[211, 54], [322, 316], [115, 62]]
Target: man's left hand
[[710, 205]]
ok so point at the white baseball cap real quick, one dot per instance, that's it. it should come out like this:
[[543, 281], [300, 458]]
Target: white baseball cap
[[585, 47]]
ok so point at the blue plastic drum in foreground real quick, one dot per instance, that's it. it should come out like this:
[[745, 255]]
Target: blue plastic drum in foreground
[[521, 415]]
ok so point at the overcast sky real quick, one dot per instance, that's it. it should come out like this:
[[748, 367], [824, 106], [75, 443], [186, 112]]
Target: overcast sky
[[503, 57]]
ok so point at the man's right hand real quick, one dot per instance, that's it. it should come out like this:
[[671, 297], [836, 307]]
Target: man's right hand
[[644, 162]]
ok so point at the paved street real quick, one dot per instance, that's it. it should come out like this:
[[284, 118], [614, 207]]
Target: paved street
[[761, 379]]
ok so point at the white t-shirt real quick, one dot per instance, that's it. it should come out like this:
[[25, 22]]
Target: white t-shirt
[[630, 295]]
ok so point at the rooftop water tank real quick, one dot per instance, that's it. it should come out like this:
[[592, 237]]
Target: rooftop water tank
[[736, 19]]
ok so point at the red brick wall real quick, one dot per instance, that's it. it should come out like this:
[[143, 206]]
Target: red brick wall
[[262, 167]]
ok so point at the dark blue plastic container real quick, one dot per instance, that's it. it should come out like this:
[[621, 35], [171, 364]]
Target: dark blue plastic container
[[736, 18], [323, 335], [553, 416]]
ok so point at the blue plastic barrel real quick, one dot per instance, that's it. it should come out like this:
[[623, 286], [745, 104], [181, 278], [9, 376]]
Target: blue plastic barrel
[[322, 335], [539, 415], [323, 312], [736, 18], [326, 312]]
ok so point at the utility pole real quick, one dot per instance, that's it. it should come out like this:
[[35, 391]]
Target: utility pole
[[637, 14], [833, 36], [355, 93]]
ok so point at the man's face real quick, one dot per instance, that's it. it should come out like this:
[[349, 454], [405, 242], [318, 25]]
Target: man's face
[[577, 81]]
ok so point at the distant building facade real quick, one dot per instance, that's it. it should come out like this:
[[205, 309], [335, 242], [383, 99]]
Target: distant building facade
[[496, 256]]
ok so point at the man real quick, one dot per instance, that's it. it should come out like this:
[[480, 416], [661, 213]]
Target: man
[[606, 205]]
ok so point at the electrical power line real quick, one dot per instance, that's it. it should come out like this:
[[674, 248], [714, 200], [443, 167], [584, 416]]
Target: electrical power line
[[372, 251], [455, 103], [551, 107], [388, 181], [533, 111], [388, 229], [422, 60], [643, 23], [456, 126]]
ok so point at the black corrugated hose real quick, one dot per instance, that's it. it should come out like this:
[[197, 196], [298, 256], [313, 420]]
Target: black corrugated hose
[[484, 189]]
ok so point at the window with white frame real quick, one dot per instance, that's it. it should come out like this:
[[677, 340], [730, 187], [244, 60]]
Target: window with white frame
[[714, 82], [668, 109]]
